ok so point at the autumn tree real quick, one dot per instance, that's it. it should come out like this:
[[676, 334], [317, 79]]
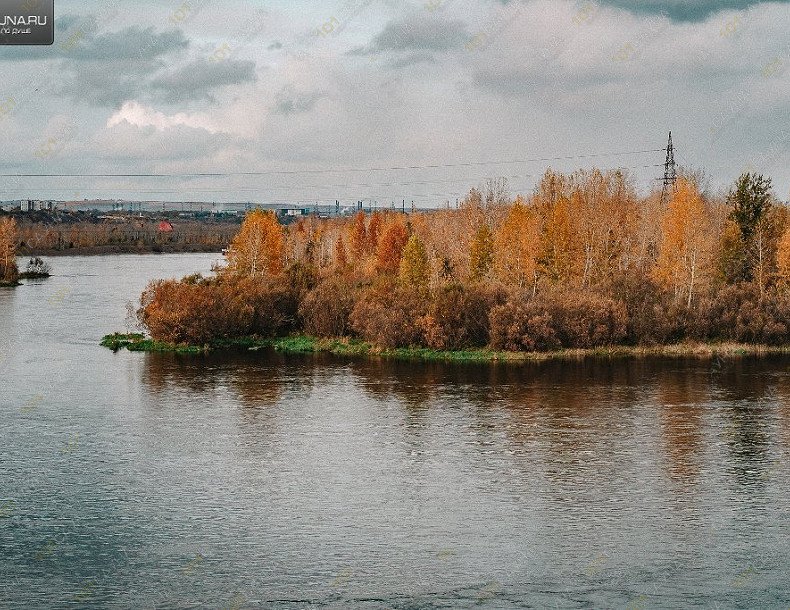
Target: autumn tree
[[517, 246], [358, 236], [393, 240], [685, 242], [414, 269], [258, 247], [783, 257], [374, 231], [341, 258], [561, 245], [8, 238], [481, 253], [731, 257]]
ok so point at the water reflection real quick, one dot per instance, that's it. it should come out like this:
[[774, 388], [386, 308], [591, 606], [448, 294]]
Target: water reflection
[[320, 481]]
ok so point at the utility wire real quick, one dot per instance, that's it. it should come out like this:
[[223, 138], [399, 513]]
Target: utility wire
[[328, 170]]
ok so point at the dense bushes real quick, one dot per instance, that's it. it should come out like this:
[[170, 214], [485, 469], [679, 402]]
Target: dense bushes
[[325, 311], [387, 315], [740, 313], [458, 316], [195, 311], [557, 320]]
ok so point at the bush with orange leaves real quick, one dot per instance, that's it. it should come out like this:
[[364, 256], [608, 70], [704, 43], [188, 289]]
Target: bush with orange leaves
[[458, 316], [552, 321], [325, 310], [194, 311], [388, 315]]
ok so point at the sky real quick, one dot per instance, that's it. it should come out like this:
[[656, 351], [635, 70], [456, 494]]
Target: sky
[[386, 101]]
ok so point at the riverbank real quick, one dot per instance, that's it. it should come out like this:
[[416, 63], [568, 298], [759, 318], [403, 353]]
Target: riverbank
[[121, 249], [355, 348]]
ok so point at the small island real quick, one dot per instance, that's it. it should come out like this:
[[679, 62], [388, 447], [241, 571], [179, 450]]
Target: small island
[[582, 268]]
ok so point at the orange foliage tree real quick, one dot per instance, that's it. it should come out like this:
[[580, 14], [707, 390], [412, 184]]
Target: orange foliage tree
[[341, 258], [783, 257], [481, 253], [8, 237], [358, 236], [374, 231], [258, 247], [517, 246], [685, 242], [393, 240]]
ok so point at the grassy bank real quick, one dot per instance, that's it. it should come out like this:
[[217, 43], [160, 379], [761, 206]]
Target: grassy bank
[[350, 347]]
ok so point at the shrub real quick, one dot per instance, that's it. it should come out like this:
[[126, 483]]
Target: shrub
[[458, 316], [739, 313], [326, 309], [522, 325], [582, 320], [387, 315], [178, 312]]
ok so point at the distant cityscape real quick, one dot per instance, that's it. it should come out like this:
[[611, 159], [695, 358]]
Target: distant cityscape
[[190, 209]]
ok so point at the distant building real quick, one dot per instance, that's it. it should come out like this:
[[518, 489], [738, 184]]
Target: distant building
[[165, 227], [33, 205], [291, 211]]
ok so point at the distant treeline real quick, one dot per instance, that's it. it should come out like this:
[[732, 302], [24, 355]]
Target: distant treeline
[[71, 233], [582, 262]]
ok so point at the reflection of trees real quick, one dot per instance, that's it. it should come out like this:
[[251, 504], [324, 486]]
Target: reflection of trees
[[257, 379], [577, 416], [783, 399], [751, 388], [683, 390]]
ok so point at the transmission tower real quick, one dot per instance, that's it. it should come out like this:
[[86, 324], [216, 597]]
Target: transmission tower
[[670, 172]]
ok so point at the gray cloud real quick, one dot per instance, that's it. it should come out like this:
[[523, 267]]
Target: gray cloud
[[77, 40], [198, 79], [417, 33], [289, 102], [683, 10]]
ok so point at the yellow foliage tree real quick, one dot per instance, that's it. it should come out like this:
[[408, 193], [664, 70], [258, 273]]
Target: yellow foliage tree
[[517, 246], [414, 269], [258, 247], [481, 253], [8, 237], [562, 252], [685, 242], [341, 258], [783, 257]]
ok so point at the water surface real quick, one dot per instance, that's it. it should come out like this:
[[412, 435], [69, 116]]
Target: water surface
[[258, 480]]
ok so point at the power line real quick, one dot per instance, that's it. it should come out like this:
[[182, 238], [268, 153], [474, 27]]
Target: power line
[[670, 172], [329, 170]]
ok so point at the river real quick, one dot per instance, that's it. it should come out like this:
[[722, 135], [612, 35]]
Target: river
[[133, 480]]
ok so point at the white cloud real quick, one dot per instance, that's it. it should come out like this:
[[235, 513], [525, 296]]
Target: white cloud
[[136, 114]]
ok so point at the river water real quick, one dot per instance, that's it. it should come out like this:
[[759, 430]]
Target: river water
[[134, 480]]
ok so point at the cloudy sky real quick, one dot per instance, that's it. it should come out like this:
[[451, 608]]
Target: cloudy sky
[[388, 100]]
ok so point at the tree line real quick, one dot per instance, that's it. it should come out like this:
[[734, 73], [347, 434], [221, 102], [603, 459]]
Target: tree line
[[582, 262]]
